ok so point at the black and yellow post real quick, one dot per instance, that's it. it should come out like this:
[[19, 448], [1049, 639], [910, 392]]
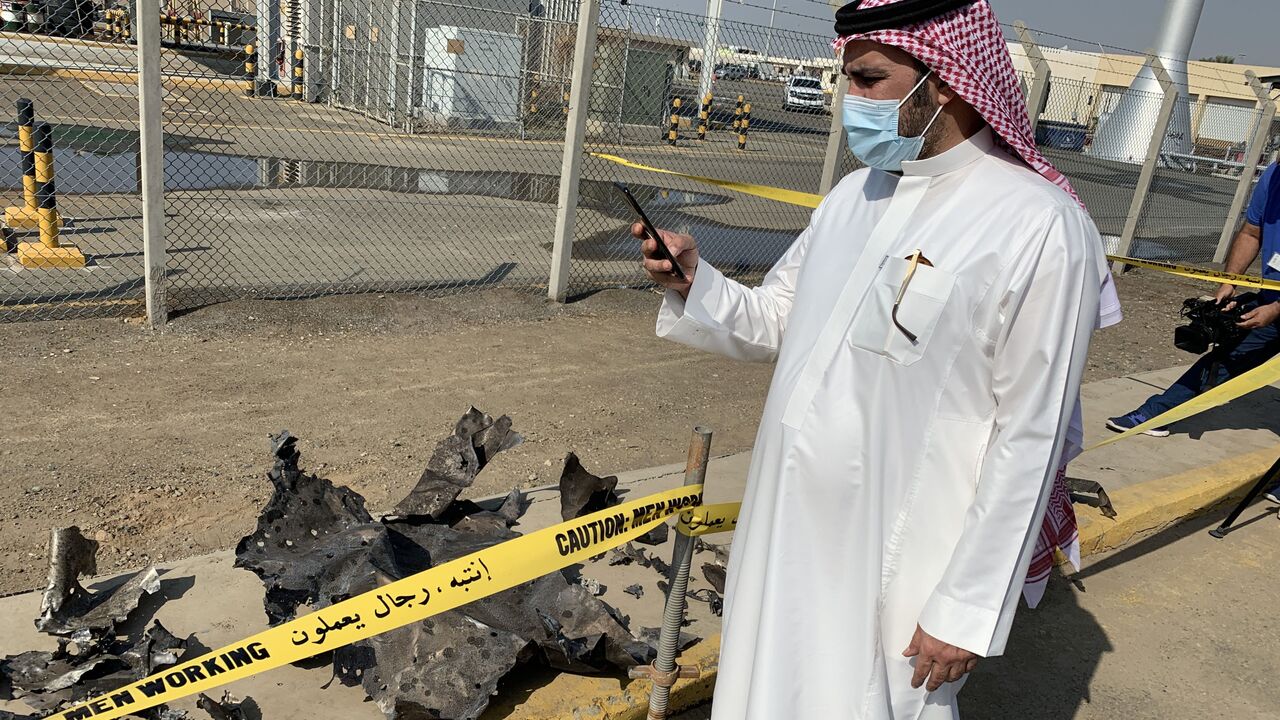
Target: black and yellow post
[[298, 93], [224, 33], [25, 217], [533, 102], [673, 133], [565, 104], [48, 252], [744, 127], [737, 114], [250, 70], [704, 115]]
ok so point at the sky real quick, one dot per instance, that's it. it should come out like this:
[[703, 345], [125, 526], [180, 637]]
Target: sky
[[1246, 28]]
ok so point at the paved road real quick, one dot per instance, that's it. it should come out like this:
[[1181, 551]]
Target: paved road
[[1178, 626]]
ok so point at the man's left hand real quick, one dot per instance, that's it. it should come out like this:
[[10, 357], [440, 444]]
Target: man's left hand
[[1261, 316], [937, 661]]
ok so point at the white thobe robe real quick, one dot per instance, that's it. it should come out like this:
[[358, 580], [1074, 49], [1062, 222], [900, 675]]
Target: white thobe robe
[[895, 483]]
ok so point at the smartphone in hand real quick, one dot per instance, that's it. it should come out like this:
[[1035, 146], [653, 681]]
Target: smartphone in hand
[[663, 251]]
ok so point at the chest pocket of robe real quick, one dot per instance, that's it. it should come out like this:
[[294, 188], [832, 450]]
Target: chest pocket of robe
[[922, 305]]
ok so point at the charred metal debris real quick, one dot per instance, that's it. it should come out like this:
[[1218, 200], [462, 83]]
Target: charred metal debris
[[100, 645], [317, 544]]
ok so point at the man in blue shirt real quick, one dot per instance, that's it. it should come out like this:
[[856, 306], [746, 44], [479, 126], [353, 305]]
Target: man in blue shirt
[[1260, 234]]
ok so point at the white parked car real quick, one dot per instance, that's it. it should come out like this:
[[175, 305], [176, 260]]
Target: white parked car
[[805, 94]]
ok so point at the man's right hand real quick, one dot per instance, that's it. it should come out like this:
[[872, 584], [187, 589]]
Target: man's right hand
[[682, 247], [1225, 293]]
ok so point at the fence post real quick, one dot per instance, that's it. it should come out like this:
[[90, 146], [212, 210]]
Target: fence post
[[1153, 157], [1040, 66], [831, 164], [1251, 157], [152, 162], [584, 57]]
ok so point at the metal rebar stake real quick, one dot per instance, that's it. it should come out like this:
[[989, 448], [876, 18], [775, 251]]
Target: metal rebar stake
[[664, 671]]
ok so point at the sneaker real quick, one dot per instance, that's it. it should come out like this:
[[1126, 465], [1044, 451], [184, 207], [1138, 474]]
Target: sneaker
[[1273, 494], [1133, 420]]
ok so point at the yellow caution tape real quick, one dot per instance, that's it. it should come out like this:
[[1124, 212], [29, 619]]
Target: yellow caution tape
[[708, 519], [1259, 377], [791, 197], [1217, 276], [810, 200], [397, 604]]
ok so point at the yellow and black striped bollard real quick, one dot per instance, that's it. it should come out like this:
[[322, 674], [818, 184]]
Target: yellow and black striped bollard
[[250, 69], [737, 114], [49, 252], [25, 217], [673, 134], [46, 192], [533, 102], [704, 114], [297, 73], [746, 125], [565, 104]]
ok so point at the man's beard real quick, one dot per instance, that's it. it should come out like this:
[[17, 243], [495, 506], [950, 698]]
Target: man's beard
[[917, 113]]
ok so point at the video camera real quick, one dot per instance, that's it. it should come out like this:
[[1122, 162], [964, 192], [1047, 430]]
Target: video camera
[[1211, 324]]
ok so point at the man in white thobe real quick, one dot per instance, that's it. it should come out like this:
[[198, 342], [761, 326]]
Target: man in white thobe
[[929, 329]]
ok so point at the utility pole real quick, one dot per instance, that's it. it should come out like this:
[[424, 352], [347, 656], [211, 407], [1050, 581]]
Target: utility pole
[[709, 47]]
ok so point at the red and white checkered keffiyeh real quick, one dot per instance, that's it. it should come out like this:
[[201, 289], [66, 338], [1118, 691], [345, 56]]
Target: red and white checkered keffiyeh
[[1058, 531], [967, 50]]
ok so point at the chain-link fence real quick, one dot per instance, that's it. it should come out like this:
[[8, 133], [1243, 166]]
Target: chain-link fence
[[416, 145], [757, 111], [409, 154], [69, 166]]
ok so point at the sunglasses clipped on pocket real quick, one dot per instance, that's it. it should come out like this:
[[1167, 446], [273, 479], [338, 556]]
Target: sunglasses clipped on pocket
[[915, 260]]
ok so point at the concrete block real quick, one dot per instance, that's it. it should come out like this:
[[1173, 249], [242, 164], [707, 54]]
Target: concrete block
[[21, 218], [37, 255]]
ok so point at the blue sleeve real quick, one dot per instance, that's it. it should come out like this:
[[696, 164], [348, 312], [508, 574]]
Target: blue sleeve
[[1258, 204]]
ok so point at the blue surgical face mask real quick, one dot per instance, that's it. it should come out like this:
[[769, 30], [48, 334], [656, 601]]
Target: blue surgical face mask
[[872, 129]]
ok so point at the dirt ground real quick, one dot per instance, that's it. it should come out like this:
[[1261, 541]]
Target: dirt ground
[[155, 444]]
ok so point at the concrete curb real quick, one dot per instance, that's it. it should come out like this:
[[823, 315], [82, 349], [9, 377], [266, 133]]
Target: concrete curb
[[1152, 506], [1144, 510]]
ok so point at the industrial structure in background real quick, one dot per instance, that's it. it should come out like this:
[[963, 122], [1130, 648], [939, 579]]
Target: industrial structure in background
[[1137, 112]]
